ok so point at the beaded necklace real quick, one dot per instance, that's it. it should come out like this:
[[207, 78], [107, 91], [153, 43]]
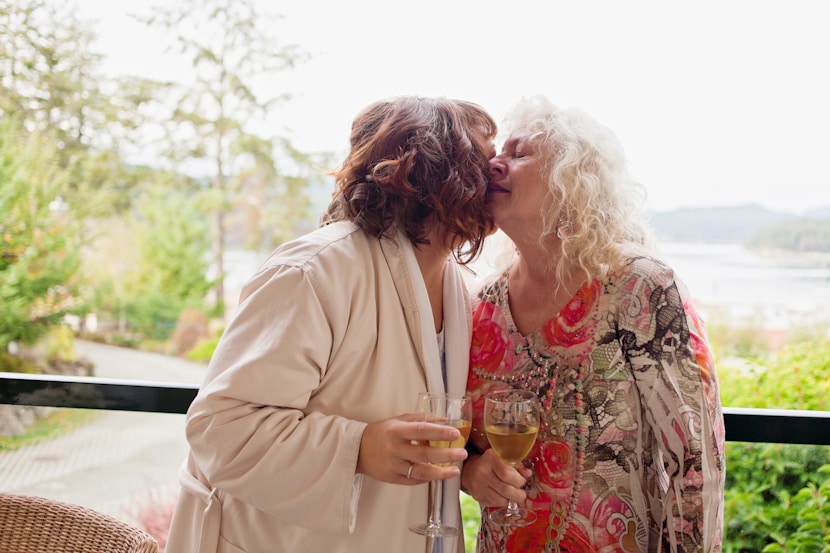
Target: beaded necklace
[[542, 376]]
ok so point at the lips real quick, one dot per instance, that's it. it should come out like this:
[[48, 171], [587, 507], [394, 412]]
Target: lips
[[496, 188]]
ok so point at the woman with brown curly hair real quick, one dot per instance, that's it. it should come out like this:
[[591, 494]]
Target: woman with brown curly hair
[[302, 437]]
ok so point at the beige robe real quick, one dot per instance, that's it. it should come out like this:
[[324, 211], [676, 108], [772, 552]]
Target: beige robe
[[334, 331]]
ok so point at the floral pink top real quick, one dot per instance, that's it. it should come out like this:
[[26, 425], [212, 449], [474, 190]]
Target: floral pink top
[[629, 456]]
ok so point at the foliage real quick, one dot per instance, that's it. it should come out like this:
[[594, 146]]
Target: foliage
[[795, 378], [39, 259], [772, 490], [145, 270], [49, 72], [812, 508], [51, 80], [87, 124], [230, 44], [78, 121], [203, 350], [126, 340], [273, 206], [762, 481], [56, 423], [59, 344], [173, 240], [471, 515], [737, 340], [191, 327], [803, 235], [14, 364]]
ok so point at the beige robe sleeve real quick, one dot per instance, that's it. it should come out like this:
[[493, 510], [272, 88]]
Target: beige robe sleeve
[[247, 428]]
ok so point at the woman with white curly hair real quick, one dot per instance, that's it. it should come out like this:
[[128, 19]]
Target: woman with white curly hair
[[629, 455]]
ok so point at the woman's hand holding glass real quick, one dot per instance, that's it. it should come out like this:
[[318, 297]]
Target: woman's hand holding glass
[[388, 448], [492, 482], [452, 411], [511, 423]]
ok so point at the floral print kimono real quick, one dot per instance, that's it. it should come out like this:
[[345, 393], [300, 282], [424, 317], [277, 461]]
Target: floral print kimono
[[629, 456]]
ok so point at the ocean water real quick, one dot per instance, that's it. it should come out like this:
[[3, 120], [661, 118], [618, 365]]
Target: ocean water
[[773, 290], [726, 281]]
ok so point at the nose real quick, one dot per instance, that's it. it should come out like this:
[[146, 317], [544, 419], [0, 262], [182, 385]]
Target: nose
[[497, 168]]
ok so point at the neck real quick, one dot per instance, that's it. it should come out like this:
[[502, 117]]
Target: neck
[[536, 268], [432, 261], [536, 291], [536, 262]]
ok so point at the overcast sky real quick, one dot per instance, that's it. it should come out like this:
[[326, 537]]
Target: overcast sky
[[717, 102]]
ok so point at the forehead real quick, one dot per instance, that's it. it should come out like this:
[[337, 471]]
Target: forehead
[[518, 137]]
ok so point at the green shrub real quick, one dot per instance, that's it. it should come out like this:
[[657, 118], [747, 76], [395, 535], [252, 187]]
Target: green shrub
[[59, 344], [13, 364], [769, 487], [761, 482], [125, 340], [471, 517], [811, 506], [203, 351], [56, 423]]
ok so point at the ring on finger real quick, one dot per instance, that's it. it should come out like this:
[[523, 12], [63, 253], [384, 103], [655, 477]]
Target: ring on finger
[[409, 471]]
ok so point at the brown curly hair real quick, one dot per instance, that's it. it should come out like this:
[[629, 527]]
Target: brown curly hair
[[415, 163]]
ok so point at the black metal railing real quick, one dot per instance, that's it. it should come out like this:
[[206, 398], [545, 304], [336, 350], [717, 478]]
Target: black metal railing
[[783, 426]]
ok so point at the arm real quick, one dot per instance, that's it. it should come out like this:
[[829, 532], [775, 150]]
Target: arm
[[683, 428], [253, 434], [248, 429]]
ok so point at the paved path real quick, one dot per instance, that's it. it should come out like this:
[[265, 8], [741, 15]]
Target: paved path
[[120, 461]]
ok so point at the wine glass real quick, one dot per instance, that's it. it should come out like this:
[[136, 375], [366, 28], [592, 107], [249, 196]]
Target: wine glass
[[511, 423], [452, 410]]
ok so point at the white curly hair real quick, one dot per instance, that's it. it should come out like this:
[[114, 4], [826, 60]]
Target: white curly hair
[[590, 195]]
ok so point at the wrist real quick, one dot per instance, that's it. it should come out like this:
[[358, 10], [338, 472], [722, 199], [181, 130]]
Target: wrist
[[472, 458]]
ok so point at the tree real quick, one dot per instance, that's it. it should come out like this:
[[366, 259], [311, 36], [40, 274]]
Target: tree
[[48, 72], [801, 235], [231, 45], [154, 264], [50, 79], [39, 238], [173, 242]]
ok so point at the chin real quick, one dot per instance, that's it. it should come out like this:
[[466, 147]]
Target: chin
[[496, 211]]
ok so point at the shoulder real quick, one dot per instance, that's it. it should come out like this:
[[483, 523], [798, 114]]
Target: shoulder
[[645, 281], [338, 240], [323, 259], [643, 269]]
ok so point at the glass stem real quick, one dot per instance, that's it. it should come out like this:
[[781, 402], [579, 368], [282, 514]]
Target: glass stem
[[435, 487], [512, 509]]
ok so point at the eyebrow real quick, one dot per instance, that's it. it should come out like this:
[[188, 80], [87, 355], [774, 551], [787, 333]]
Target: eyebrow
[[510, 143]]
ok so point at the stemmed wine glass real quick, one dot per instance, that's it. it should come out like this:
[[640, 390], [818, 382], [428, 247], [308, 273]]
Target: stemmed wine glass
[[452, 410], [511, 423]]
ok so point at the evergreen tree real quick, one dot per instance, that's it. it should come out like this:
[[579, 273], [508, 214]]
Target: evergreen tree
[[39, 238], [231, 45]]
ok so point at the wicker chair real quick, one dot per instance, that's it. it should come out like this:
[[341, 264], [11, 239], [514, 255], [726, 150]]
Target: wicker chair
[[30, 524]]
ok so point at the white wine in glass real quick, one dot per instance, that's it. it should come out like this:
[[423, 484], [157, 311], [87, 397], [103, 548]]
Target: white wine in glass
[[511, 423], [451, 410]]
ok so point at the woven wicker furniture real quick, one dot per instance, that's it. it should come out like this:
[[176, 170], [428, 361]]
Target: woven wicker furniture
[[30, 524]]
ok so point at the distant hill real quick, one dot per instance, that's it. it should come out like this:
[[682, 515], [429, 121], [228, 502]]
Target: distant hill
[[802, 235], [818, 213], [728, 224]]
